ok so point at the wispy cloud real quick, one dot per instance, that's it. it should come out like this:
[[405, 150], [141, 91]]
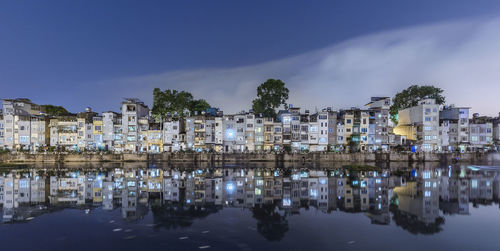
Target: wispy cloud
[[461, 57]]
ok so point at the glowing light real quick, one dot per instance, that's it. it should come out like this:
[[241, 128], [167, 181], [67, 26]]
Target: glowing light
[[230, 134], [230, 187], [287, 202]]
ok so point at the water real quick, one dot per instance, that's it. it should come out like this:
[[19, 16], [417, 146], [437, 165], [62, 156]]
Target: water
[[140, 207]]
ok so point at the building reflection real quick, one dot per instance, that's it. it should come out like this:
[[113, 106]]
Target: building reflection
[[416, 200]]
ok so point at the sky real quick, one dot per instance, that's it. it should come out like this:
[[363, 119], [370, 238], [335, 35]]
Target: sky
[[329, 53]]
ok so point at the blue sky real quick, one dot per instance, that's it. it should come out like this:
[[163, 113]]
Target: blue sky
[[94, 53]]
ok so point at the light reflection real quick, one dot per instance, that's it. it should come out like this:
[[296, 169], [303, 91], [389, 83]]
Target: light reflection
[[414, 199]]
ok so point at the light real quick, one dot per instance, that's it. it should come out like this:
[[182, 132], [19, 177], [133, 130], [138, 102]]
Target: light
[[287, 202], [230, 187], [230, 134]]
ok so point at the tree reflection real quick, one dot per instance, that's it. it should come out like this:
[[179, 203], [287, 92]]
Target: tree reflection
[[270, 223], [173, 216], [412, 224]]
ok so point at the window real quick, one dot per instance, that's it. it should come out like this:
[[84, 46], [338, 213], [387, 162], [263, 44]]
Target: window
[[348, 121], [23, 184], [428, 119]]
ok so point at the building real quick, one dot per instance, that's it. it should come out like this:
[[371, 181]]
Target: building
[[132, 110], [109, 121], [23, 125], [380, 123], [420, 124], [65, 133], [454, 128], [481, 132]]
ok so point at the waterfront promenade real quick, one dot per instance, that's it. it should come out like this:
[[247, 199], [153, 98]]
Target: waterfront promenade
[[474, 157]]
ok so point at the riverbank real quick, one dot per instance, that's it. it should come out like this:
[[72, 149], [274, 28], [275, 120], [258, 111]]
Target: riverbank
[[476, 157]]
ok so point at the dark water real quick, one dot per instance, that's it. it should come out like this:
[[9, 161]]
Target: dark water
[[242, 208]]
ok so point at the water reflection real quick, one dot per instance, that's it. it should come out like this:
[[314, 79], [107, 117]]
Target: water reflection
[[416, 200]]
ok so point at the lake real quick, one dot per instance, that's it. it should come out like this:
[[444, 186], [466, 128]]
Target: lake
[[146, 206]]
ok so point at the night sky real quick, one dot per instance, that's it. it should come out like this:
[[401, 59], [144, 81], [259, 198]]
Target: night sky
[[329, 53]]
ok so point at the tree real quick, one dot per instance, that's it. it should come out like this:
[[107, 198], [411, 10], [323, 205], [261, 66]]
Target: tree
[[411, 96], [53, 110], [198, 105], [270, 95], [173, 101]]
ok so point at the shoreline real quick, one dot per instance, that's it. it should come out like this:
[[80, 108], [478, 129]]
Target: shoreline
[[475, 157]]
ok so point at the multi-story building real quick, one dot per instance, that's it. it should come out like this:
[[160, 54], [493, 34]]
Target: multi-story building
[[454, 128], [259, 133], [240, 130], [380, 123], [210, 141], [308, 132], [278, 136], [268, 134], [332, 128], [481, 132], [199, 132], [132, 110], [64, 133], [172, 129], [154, 140], [109, 121], [250, 132], [420, 124], [356, 129], [285, 118], [97, 133], [496, 131], [219, 134], [229, 133], [323, 127], [23, 125]]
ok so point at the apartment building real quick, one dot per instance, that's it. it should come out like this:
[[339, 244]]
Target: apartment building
[[132, 110], [454, 128], [421, 125]]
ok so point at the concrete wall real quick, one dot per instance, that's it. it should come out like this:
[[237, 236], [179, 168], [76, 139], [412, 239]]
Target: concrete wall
[[476, 158]]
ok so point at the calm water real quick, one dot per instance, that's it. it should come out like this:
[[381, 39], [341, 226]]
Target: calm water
[[242, 208]]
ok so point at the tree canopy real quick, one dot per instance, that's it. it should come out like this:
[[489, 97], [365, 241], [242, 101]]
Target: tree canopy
[[173, 101], [410, 97], [270, 95], [53, 110]]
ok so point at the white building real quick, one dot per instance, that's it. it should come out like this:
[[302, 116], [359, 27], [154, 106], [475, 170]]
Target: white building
[[421, 124], [132, 111]]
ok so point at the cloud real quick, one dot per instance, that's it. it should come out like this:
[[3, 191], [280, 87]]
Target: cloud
[[461, 57]]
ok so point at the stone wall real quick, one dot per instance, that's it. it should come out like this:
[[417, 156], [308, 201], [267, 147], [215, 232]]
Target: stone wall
[[256, 157]]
